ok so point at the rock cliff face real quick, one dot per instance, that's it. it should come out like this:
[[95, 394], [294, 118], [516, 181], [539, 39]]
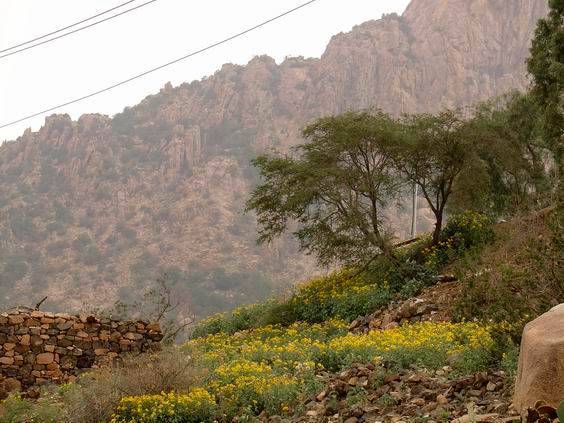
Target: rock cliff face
[[104, 204]]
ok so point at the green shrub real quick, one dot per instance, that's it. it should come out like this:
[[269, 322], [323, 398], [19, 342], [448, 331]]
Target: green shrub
[[210, 326], [361, 303], [509, 361], [197, 405], [357, 395], [281, 313], [463, 231], [408, 275], [469, 228], [472, 361], [15, 409], [242, 318], [491, 296], [411, 288], [402, 358], [347, 294]]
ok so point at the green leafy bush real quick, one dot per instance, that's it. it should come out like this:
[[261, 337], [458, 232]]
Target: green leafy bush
[[348, 306], [282, 313], [195, 406], [463, 231], [469, 228], [408, 278], [242, 318]]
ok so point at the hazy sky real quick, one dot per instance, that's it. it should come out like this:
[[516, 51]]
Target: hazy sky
[[89, 60]]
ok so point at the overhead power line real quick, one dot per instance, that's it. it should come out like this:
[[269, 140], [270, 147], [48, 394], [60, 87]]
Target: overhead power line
[[194, 53], [73, 31], [67, 27]]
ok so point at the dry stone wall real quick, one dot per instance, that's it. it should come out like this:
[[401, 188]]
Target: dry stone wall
[[37, 346]]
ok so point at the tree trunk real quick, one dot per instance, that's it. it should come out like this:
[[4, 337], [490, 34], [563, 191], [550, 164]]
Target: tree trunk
[[438, 227]]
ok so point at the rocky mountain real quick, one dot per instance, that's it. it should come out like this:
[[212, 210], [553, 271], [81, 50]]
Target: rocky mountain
[[94, 209]]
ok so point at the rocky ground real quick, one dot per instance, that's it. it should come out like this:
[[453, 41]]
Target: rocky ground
[[434, 304], [370, 393], [410, 395]]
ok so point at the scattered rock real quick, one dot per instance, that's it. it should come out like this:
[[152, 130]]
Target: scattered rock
[[441, 399], [409, 311], [407, 396]]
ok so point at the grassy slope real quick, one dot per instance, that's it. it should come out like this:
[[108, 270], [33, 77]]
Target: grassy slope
[[517, 277]]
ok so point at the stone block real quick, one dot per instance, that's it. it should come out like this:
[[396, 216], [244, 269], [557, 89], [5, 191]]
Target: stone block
[[37, 314], [8, 346], [45, 358], [15, 319], [6, 360]]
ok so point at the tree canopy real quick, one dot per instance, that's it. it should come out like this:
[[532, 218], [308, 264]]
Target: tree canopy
[[509, 141], [435, 153], [335, 186], [336, 189], [546, 66], [339, 184]]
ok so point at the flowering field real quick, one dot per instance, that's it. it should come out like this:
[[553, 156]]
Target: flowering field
[[272, 368], [198, 405]]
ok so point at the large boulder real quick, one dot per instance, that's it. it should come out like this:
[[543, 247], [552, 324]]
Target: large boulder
[[540, 375]]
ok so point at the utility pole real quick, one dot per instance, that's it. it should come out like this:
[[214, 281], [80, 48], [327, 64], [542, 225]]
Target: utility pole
[[414, 211]]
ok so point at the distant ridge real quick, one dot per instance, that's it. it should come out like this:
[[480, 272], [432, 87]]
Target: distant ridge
[[94, 209]]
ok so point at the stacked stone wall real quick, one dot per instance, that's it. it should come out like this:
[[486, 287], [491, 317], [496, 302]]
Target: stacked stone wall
[[38, 346]]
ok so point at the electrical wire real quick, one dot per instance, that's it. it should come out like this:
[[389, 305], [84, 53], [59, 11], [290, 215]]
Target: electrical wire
[[194, 53], [73, 31], [67, 27]]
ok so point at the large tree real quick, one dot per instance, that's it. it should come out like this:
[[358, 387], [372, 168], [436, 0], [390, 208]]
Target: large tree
[[335, 187], [436, 152], [546, 66], [508, 137]]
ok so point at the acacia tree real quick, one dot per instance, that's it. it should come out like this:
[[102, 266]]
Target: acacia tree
[[436, 151], [334, 186]]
